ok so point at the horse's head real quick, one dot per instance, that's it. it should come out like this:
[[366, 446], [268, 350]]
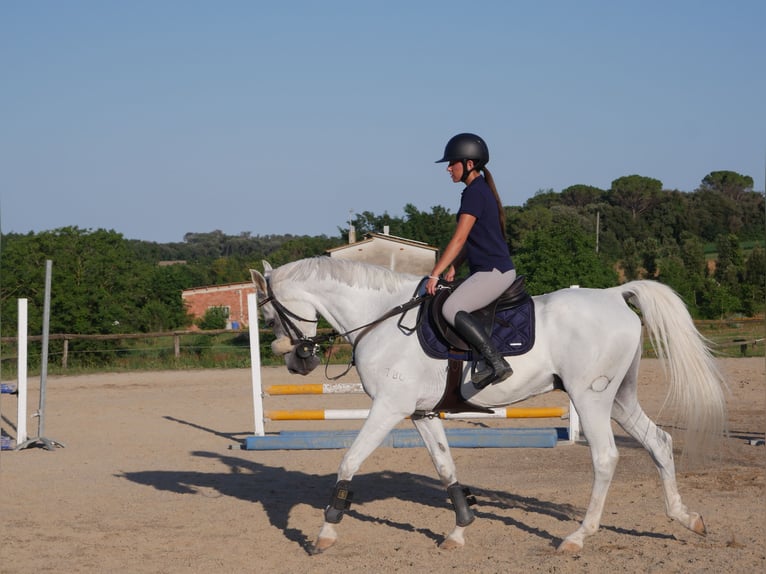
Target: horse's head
[[293, 321]]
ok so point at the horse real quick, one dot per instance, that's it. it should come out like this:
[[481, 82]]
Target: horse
[[588, 342]]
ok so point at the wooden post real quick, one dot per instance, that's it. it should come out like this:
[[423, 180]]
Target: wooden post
[[65, 354]]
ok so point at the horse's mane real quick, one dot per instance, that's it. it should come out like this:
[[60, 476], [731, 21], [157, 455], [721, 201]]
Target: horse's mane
[[353, 273]]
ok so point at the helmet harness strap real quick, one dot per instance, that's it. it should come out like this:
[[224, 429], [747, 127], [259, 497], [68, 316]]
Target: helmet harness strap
[[466, 171]]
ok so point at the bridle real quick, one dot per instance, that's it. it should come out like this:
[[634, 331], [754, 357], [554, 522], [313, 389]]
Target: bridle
[[307, 348]]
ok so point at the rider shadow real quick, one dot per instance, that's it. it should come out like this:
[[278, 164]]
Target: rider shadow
[[279, 490]]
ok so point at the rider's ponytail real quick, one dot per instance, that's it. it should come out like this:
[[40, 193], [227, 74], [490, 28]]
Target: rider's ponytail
[[500, 211]]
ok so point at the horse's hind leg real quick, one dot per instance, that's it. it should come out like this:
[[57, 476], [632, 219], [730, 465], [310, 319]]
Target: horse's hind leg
[[631, 417], [435, 439], [593, 408]]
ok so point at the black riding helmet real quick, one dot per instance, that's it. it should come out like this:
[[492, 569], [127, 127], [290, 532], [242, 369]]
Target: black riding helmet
[[463, 147]]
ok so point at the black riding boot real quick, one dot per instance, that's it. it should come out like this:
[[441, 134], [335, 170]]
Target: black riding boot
[[496, 368]]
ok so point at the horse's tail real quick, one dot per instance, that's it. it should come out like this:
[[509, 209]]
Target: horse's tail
[[697, 387]]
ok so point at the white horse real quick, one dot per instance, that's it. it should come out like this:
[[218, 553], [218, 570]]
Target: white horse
[[588, 341]]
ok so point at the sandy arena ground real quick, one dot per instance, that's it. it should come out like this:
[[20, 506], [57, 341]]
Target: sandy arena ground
[[152, 479]]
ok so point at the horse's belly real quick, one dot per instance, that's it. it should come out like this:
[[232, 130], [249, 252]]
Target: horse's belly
[[518, 387]]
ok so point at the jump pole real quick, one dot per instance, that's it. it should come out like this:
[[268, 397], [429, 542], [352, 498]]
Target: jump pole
[[315, 389], [360, 414]]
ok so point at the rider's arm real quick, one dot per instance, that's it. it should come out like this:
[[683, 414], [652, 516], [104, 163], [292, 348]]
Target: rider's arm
[[453, 252]]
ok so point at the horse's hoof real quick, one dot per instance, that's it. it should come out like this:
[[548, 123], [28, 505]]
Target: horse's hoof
[[451, 544], [454, 540], [321, 545], [698, 526], [569, 547]]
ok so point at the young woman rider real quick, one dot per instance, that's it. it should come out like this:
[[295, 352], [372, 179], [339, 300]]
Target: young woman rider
[[478, 239]]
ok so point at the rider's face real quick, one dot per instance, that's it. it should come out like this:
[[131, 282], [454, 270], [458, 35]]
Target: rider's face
[[455, 169]]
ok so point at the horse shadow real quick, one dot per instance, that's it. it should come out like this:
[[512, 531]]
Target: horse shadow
[[279, 490]]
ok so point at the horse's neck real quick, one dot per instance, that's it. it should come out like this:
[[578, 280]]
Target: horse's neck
[[348, 307]]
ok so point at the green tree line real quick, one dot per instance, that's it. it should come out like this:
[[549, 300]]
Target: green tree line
[[707, 244]]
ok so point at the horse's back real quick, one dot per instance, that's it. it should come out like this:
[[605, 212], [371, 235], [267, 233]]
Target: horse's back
[[580, 309]]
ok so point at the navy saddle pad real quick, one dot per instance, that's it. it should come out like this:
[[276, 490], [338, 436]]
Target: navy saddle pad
[[513, 327]]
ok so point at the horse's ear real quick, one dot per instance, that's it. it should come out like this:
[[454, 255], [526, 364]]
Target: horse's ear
[[259, 281], [266, 267]]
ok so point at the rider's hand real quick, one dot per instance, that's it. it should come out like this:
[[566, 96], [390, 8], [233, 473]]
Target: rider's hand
[[431, 285]]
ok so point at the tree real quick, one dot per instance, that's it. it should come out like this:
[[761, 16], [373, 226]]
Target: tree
[[717, 301], [543, 198], [650, 253], [666, 218], [754, 281], [98, 284], [581, 195], [635, 193], [728, 269], [162, 307], [560, 256], [368, 222], [728, 183], [725, 203], [631, 261], [297, 248], [434, 228], [672, 272], [525, 221]]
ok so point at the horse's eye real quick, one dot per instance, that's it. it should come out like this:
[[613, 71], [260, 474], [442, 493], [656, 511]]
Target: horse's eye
[[270, 323]]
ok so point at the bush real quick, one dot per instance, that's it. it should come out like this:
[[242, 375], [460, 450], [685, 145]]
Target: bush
[[215, 318]]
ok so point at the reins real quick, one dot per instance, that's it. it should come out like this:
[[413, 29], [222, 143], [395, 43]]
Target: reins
[[308, 346]]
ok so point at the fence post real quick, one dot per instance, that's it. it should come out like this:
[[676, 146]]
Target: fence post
[[65, 354]]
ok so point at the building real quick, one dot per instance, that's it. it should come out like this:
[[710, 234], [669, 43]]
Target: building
[[231, 296], [395, 253]]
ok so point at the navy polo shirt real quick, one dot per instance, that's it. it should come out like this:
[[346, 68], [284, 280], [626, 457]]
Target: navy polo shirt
[[486, 248]]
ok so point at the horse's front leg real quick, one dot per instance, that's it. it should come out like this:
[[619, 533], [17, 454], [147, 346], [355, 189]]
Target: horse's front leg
[[381, 421], [435, 439]]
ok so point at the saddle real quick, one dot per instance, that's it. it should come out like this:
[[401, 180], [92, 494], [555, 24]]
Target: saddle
[[510, 320]]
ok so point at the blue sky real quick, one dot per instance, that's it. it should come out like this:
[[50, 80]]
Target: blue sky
[[155, 118]]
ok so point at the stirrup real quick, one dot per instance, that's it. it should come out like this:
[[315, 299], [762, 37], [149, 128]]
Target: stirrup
[[491, 377]]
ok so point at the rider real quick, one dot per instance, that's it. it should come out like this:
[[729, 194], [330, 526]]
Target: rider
[[480, 239]]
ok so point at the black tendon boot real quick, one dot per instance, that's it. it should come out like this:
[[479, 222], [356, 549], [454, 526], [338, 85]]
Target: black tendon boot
[[496, 368], [462, 499]]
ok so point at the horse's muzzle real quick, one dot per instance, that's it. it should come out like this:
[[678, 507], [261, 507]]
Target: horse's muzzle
[[298, 365], [300, 358]]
